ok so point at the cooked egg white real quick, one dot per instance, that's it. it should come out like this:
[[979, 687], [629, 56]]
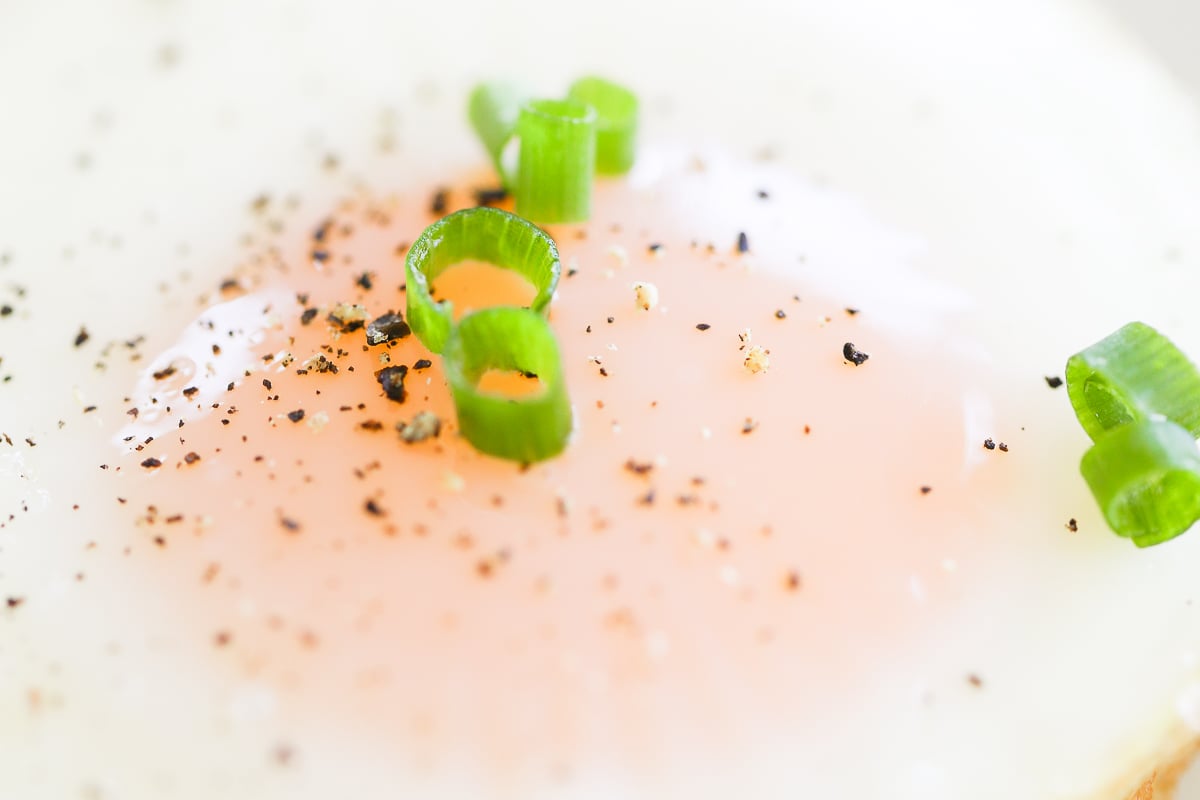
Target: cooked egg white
[[733, 581]]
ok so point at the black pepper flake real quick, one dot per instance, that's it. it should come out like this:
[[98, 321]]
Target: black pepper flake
[[191, 458], [647, 499], [389, 327], [320, 256], [853, 354], [151, 463], [322, 231], [1072, 525], [703, 326], [926, 489], [437, 206], [5, 310], [392, 381], [80, 337], [743, 243], [267, 383], [365, 281], [763, 194], [190, 392], [851, 311], [297, 415], [639, 467], [284, 753], [1002, 447], [164, 373], [289, 524], [611, 320], [308, 316], [749, 425], [1053, 381], [14, 602], [374, 509], [371, 425], [422, 363], [988, 444], [655, 247], [490, 197], [780, 314]]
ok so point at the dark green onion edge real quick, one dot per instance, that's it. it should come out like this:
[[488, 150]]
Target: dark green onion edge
[[1146, 477], [557, 161], [525, 429], [493, 110], [485, 234], [616, 122], [1129, 375]]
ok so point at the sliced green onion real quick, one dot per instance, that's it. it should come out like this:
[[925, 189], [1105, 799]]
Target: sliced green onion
[[485, 234], [1129, 375], [1146, 477], [616, 122], [530, 428], [557, 160], [494, 109]]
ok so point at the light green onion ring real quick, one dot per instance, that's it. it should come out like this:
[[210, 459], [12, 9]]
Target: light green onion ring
[[525, 429], [616, 122], [557, 161], [1146, 477], [493, 110], [486, 234], [1129, 375]]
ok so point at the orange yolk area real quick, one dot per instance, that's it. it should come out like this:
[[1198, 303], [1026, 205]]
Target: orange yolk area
[[472, 285], [509, 384], [466, 610]]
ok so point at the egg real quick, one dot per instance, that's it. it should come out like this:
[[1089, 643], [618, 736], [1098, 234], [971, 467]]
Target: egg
[[776, 558]]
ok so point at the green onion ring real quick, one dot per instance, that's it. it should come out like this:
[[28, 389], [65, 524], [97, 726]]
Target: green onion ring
[[525, 429], [486, 234], [1146, 477], [616, 122], [493, 110], [1130, 375], [557, 161]]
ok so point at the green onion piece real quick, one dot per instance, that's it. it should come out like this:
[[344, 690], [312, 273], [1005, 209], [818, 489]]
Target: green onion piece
[[485, 234], [526, 429], [557, 161], [1129, 375], [1146, 477], [616, 122], [493, 110]]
